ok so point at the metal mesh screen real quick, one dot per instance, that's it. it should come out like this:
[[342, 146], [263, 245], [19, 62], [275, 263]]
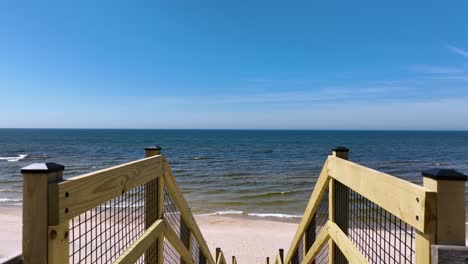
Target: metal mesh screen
[[320, 219], [171, 256], [100, 235], [202, 258], [171, 213], [379, 235], [322, 256], [195, 251]]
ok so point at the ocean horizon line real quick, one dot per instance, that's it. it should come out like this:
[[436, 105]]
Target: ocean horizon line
[[242, 129]]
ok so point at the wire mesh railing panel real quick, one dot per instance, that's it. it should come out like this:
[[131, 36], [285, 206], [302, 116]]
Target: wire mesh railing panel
[[100, 235], [171, 213], [201, 257], [195, 251], [299, 254], [379, 235], [171, 256], [321, 215], [322, 256]]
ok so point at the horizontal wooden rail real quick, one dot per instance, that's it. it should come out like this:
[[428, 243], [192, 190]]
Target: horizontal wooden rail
[[319, 190], [320, 241], [82, 193], [138, 248], [403, 199], [352, 254], [179, 246], [181, 204]]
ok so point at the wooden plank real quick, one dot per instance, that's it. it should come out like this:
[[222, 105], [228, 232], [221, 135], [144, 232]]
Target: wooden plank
[[450, 206], [444, 254], [319, 243], [175, 241], [181, 204], [151, 207], [403, 199], [340, 208], [35, 215], [221, 259], [352, 254], [422, 247], [58, 248], [138, 248], [82, 193], [160, 213], [331, 218], [320, 187], [423, 241]]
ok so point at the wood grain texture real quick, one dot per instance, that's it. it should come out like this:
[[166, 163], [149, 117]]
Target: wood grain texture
[[58, 248], [182, 205], [151, 208], [450, 210], [403, 199], [319, 243], [349, 250], [175, 241], [138, 248], [80, 194], [35, 216], [320, 187], [221, 259]]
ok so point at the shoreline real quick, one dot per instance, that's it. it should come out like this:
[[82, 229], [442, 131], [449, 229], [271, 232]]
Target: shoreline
[[251, 239]]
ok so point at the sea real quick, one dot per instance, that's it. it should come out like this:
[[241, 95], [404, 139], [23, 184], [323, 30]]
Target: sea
[[258, 173]]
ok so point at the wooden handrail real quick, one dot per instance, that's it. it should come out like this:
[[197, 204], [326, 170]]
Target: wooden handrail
[[403, 199], [82, 193], [320, 242], [134, 252], [179, 200], [352, 254], [174, 239], [314, 201], [411, 203]]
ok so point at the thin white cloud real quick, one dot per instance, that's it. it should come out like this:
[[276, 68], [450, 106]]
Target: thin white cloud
[[458, 51], [426, 69]]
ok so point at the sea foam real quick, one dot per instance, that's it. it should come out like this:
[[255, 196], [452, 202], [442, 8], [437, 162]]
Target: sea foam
[[13, 159], [269, 215]]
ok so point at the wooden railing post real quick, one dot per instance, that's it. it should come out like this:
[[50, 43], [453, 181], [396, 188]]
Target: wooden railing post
[[281, 254], [154, 206], [184, 236], [338, 196], [448, 225], [39, 236], [218, 252], [450, 188]]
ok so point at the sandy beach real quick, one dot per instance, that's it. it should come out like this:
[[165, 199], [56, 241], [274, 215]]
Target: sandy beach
[[10, 231], [250, 240]]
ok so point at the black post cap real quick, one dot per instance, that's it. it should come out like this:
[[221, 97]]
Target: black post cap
[[444, 174], [43, 168], [341, 149], [153, 148]]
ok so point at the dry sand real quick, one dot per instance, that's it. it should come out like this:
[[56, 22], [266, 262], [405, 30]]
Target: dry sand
[[250, 240], [10, 231]]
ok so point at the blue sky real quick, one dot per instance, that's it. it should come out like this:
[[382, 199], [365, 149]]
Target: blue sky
[[234, 64]]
